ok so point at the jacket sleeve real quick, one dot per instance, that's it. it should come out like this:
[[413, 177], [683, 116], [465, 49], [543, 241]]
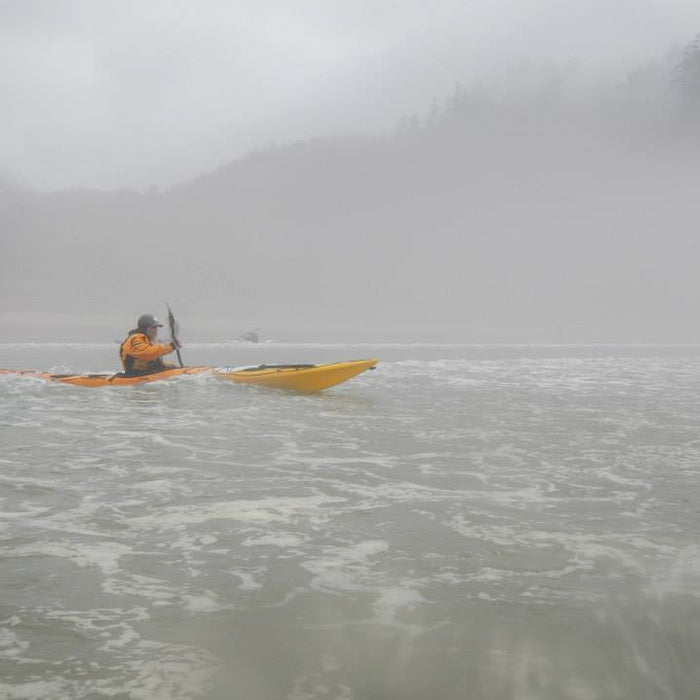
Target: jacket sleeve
[[140, 349]]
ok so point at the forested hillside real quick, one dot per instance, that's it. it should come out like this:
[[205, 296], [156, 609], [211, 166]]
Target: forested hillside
[[546, 209]]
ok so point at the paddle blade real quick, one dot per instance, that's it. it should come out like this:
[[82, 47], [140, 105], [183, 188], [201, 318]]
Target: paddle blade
[[174, 331]]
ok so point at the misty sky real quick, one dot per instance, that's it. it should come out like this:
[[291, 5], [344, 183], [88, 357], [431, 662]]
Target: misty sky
[[128, 93]]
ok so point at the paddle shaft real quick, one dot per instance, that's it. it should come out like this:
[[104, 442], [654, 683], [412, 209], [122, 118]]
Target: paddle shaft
[[173, 334]]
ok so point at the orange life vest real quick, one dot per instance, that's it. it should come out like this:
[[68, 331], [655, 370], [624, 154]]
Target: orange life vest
[[140, 356]]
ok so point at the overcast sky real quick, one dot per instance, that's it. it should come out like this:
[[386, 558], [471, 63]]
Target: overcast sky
[[128, 93]]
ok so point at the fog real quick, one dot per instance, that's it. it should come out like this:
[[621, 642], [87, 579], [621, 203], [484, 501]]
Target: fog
[[521, 172], [129, 94]]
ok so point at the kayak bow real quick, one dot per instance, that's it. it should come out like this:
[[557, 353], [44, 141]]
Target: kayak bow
[[302, 378]]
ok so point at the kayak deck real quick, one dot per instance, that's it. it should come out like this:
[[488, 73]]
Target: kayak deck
[[300, 377]]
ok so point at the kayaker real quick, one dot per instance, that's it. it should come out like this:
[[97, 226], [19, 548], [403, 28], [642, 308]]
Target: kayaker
[[140, 353]]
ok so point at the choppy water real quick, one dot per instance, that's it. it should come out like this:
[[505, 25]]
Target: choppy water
[[461, 523]]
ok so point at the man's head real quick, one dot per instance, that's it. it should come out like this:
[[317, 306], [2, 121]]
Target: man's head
[[149, 325]]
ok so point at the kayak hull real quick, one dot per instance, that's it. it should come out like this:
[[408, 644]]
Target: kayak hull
[[299, 378]]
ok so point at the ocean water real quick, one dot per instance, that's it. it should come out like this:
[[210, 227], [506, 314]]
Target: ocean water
[[464, 522]]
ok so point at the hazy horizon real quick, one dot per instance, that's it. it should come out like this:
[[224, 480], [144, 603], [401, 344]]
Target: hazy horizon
[[490, 172]]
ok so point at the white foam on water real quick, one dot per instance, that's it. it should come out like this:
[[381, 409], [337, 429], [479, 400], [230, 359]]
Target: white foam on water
[[487, 574], [13, 621], [127, 637], [161, 470], [206, 602], [10, 644], [345, 568], [282, 540], [168, 672], [28, 511], [139, 667], [393, 600], [583, 553], [248, 582], [35, 690], [157, 486], [156, 591], [264, 510], [188, 545], [146, 670], [104, 556], [99, 619]]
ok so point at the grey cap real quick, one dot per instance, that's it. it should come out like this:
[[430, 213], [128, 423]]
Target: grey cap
[[148, 320]]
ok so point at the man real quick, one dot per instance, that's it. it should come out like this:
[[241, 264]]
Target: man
[[139, 353]]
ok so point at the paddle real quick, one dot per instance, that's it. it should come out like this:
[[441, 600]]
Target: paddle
[[173, 333]]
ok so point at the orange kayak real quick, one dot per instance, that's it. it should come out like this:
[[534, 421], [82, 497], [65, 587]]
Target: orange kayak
[[93, 380], [300, 378]]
